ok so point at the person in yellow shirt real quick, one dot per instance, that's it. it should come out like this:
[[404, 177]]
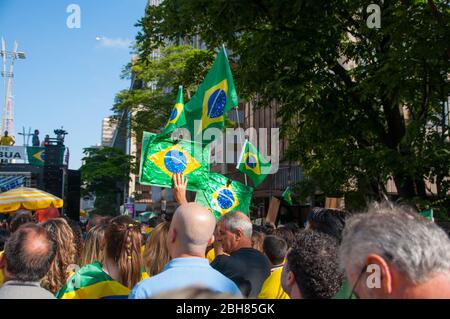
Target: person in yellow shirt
[[7, 140], [275, 248]]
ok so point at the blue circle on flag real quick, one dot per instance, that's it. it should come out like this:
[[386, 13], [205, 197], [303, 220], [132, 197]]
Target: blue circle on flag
[[225, 199], [175, 161], [216, 103], [174, 114], [251, 161]]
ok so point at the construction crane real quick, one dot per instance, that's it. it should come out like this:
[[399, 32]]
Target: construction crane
[[8, 75]]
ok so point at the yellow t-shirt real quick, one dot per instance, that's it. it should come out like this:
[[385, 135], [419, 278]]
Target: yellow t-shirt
[[271, 288], [211, 255], [6, 141], [144, 275]]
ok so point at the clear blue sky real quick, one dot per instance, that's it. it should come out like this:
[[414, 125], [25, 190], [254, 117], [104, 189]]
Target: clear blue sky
[[69, 78]]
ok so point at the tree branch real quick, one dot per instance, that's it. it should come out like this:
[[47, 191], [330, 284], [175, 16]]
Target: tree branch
[[426, 93], [434, 10]]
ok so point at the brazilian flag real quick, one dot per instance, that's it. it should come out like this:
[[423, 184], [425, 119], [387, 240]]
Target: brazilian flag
[[213, 99], [91, 282], [287, 195], [162, 157], [253, 164], [36, 155], [177, 117], [224, 195]]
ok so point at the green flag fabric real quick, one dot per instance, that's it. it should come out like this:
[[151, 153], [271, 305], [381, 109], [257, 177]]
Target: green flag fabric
[[36, 155], [91, 282], [213, 99], [177, 117], [224, 195], [163, 157], [253, 164], [428, 214], [287, 195], [200, 198]]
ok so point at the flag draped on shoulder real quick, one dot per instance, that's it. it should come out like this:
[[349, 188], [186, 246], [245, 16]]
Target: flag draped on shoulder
[[177, 117], [91, 282], [163, 157], [223, 195], [253, 164], [213, 99]]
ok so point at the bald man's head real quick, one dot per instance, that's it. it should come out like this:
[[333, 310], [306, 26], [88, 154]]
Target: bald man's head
[[191, 230], [29, 252]]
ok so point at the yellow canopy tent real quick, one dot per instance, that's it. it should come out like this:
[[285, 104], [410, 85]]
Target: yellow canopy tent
[[27, 198]]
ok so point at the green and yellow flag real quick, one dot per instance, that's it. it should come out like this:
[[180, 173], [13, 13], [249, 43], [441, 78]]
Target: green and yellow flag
[[224, 195], [213, 99], [36, 155], [163, 157], [253, 164], [91, 282], [287, 195], [177, 117]]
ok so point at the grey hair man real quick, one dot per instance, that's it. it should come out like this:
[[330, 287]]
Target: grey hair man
[[190, 232], [392, 252], [246, 266]]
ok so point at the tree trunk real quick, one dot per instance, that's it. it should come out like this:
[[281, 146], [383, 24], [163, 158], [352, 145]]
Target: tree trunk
[[405, 186], [420, 188]]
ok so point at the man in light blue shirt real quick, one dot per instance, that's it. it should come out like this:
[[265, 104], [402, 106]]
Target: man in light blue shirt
[[191, 231]]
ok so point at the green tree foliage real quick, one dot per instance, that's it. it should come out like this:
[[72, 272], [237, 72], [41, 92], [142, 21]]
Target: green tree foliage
[[102, 173], [359, 104]]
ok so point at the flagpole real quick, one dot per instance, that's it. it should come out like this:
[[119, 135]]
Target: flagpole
[[237, 113], [242, 153]]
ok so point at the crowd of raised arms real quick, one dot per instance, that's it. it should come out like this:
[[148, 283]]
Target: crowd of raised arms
[[387, 251]]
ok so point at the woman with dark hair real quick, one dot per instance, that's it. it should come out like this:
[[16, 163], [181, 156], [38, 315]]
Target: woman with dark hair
[[328, 221], [120, 270], [331, 222], [19, 219], [123, 251]]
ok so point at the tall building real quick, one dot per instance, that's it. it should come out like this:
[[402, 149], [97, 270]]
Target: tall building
[[108, 129]]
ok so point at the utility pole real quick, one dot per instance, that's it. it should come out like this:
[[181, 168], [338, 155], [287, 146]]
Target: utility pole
[[8, 75], [26, 136]]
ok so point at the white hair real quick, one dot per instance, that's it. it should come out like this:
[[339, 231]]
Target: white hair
[[237, 220], [417, 247]]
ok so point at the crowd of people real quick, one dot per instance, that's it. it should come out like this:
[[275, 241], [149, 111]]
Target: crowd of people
[[389, 251]]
